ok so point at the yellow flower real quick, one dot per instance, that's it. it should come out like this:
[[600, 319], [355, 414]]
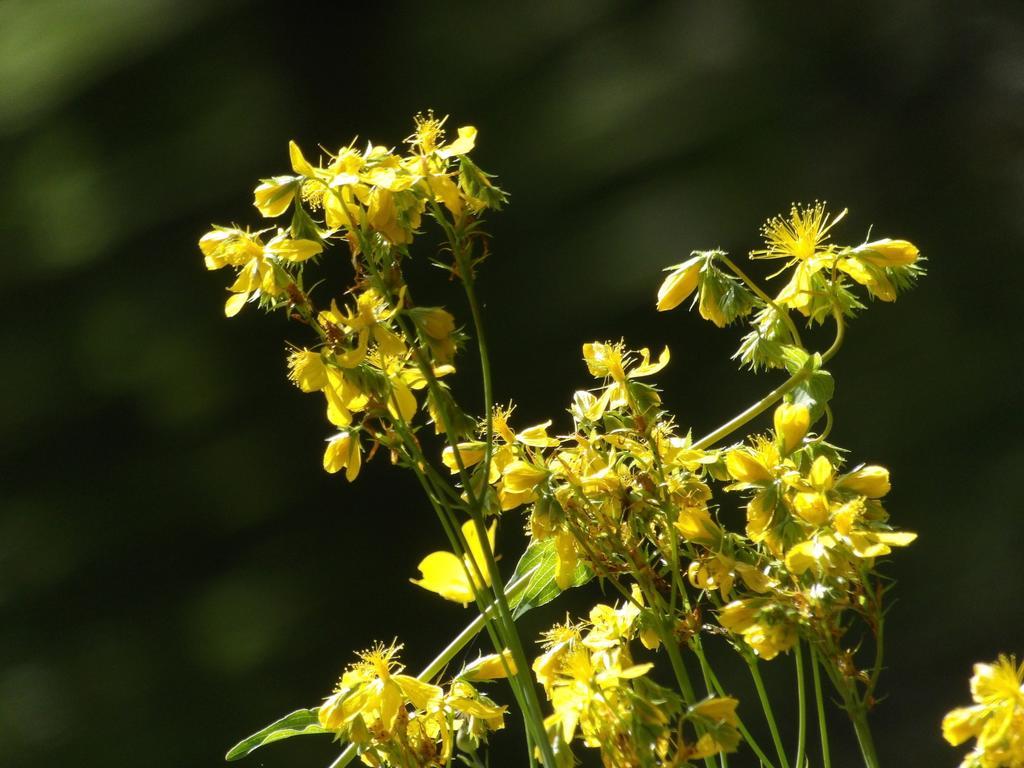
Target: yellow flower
[[695, 524], [799, 237], [610, 360], [997, 718], [306, 370], [521, 476], [679, 284], [713, 572], [463, 699], [255, 261], [763, 627], [375, 691], [445, 574], [343, 452]]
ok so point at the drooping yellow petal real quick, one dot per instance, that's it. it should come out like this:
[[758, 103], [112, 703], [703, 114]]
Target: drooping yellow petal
[[422, 695], [646, 367], [234, 304], [476, 549], [299, 163], [462, 145], [402, 404], [444, 574]]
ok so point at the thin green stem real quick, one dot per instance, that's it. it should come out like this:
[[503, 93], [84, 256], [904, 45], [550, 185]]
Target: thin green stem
[[762, 694], [840, 336], [826, 757], [477, 509], [801, 703], [753, 411], [776, 394]]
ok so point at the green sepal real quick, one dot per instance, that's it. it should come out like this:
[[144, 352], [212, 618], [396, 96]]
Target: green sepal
[[542, 588], [299, 723], [304, 227]]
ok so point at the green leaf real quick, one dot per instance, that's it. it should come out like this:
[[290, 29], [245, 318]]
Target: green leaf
[[542, 588], [815, 391], [298, 723]]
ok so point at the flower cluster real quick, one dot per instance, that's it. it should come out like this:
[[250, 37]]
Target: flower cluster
[[395, 719], [995, 720], [378, 349], [598, 692]]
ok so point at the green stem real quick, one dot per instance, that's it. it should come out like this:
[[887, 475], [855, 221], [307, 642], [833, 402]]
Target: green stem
[[864, 738], [762, 694], [753, 411], [776, 394], [668, 639], [477, 510], [826, 757], [801, 703]]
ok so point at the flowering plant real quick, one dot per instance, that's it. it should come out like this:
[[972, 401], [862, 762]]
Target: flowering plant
[[765, 543]]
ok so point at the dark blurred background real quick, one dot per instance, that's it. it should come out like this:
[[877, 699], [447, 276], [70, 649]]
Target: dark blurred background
[[176, 570]]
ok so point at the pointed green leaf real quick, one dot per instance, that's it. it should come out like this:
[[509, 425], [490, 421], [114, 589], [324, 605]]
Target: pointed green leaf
[[814, 392], [298, 723], [542, 588]]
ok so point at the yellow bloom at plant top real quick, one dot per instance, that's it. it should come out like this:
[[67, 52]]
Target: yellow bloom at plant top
[[995, 720], [454, 578]]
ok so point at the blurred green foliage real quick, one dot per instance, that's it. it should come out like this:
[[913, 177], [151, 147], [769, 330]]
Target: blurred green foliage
[[175, 568]]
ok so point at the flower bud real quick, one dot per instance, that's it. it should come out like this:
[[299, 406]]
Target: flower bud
[[871, 481], [273, 197], [791, 424], [490, 667], [888, 253], [470, 453], [437, 323], [678, 285]]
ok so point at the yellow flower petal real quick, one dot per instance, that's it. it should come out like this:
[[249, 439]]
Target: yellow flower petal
[[443, 573]]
